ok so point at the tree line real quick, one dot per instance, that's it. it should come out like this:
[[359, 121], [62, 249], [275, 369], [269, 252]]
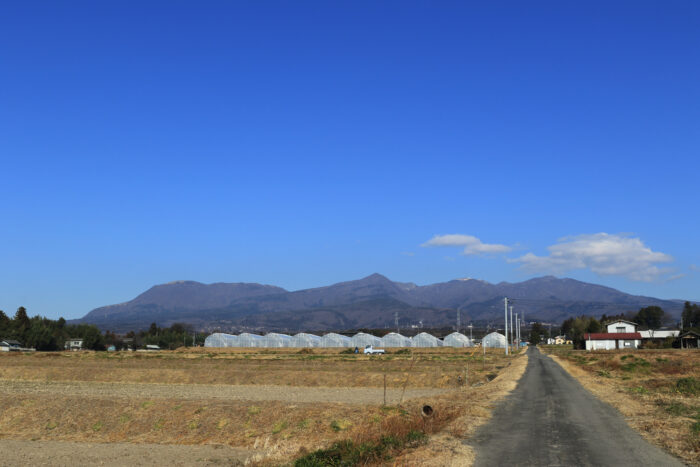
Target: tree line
[[690, 317], [47, 334], [177, 335]]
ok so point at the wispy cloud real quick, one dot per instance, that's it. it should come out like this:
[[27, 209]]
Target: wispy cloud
[[472, 245], [407, 253], [675, 277], [602, 253], [694, 267]]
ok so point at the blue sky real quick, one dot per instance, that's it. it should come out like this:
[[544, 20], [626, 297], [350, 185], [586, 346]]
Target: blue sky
[[305, 143]]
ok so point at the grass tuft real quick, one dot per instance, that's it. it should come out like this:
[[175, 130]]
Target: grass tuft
[[689, 386]]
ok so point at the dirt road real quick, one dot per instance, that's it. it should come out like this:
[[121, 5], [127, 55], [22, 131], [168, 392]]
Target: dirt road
[[213, 392], [550, 419], [63, 453]]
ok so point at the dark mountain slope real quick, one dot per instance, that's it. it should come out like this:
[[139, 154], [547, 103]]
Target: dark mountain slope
[[368, 302]]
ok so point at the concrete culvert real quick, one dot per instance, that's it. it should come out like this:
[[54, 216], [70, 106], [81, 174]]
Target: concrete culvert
[[427, 411]]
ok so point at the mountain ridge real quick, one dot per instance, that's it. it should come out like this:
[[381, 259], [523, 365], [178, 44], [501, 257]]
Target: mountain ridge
[[371, 301]]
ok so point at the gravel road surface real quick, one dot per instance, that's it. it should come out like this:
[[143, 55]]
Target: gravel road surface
[[212, 392], [64, 453], [550, 419]]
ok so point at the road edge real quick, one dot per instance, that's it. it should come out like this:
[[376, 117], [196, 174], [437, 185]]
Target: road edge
[[448, 448], [628, 407]]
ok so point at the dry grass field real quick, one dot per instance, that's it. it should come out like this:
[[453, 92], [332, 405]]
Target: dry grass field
[[270, 405], [658, 391]]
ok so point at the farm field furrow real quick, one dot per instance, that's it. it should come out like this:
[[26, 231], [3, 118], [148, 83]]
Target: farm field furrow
[[297, 394], [268, 405]]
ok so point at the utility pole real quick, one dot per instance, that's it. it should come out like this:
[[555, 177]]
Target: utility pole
[[517, 334], [510, 342], [396, 321], [470, 332], [505, 300], [459, 321]]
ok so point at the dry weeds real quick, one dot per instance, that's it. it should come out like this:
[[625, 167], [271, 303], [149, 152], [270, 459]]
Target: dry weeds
[[643, 386], [277, 429]]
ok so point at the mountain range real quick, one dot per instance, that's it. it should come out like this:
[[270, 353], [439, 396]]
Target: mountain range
[[371, 302]]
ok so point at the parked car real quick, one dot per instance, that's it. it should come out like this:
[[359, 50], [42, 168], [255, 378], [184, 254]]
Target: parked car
[[369, 350]]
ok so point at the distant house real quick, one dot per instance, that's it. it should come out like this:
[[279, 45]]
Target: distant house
[[558, 340], [621, 335], [129, 343], [612, 340], [621, 326], [9, 345], [690, 340], [74, 344]]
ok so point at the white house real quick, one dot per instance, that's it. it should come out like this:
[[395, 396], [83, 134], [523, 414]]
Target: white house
[[621, 335], [8, 345], [622, 326], [74, 344], [613, 340]]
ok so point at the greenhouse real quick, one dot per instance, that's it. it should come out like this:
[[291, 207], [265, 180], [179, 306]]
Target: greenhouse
[[221, 340], [272, 339], [425, 340], [335, 340], [395, 340], [494, 340], [250, 340], [305, 340], [362, 340], [457, 339]]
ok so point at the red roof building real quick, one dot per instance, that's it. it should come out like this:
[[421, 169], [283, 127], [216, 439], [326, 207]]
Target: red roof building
[[612, 340], [607, 336]]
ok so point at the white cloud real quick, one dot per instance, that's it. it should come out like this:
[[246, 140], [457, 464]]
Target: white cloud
[[471, 244], [694, 267], [604, 254], [407, 253]]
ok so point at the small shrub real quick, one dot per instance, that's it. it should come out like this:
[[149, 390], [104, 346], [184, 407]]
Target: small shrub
[[604, 373], [340, 425], [147, 404], [347, 351], [279, 426], [51, 425], [97, 426], [303, 423], [690, 386], [414, 436], [253, 410], [695, 428]]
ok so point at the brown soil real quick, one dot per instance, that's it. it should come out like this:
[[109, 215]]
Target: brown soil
[[63, 453], [306, 395], [273, 404]]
